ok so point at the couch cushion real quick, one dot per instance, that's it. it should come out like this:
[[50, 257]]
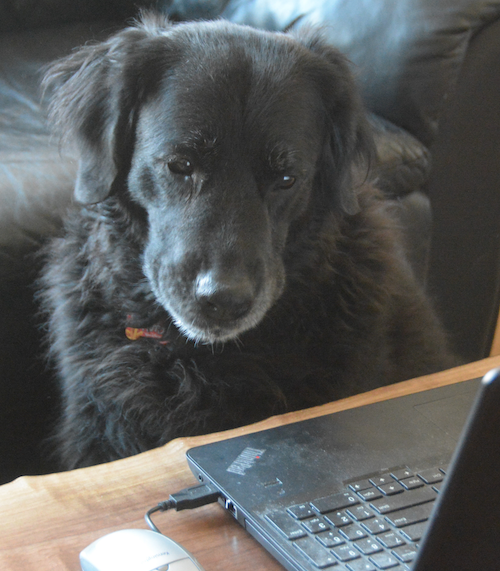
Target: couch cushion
[[36, 177], [18, 15], [408, 53]]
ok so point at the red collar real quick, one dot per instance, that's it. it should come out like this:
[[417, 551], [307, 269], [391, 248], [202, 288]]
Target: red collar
[[155, 332]]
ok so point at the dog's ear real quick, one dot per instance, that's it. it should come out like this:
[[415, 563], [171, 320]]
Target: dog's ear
[[95, 96], [348, 148]]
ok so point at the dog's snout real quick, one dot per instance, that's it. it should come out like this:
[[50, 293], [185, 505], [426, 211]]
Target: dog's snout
[[224, 297]]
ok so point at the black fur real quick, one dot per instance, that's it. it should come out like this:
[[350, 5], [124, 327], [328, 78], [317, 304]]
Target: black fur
[[220, 202]]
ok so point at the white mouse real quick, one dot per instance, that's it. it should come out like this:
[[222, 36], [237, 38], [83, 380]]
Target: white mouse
[[137, 550]]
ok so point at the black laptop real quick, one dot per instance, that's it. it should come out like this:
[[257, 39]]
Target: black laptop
[[399, 484]]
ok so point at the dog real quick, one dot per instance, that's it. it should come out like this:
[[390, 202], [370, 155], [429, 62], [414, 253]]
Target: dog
[[227, 259]]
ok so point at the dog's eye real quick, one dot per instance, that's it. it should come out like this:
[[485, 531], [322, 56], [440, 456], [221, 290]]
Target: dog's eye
[[183, 167], [286, 181]]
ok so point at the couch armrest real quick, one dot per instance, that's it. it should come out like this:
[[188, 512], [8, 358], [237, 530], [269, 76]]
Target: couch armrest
[[402, 162]]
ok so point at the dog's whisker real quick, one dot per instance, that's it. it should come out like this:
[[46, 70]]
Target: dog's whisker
[[239, 343]]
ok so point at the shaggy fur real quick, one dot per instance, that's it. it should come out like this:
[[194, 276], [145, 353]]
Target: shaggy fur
[[221, 222]]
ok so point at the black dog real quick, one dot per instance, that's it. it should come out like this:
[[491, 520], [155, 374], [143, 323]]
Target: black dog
[[226, 264]]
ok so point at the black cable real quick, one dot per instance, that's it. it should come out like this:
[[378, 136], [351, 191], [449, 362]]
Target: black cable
[[159, 508], [187, 499]]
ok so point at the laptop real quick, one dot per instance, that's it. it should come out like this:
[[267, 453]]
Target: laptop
[[408, 483]]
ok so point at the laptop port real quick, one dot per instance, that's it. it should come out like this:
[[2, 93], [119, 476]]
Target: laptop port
[[231, 508]]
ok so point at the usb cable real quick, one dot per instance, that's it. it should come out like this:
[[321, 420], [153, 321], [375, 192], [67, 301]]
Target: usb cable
[[187, 499]]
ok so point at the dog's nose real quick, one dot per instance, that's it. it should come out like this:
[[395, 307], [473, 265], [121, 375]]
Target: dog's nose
[[225, 297]]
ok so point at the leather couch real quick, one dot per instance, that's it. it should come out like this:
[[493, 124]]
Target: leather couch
[[429, 74]]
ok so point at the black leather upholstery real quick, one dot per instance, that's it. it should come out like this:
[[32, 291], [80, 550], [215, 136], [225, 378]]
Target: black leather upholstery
[[429, 73], [464, 268]]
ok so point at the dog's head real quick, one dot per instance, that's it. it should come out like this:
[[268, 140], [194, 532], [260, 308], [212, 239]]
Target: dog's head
[[230, 139]]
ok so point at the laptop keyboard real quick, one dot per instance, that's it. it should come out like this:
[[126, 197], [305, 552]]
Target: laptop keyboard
[[376, 523]]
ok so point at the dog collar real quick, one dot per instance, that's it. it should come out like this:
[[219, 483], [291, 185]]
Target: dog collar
[[155, 332]]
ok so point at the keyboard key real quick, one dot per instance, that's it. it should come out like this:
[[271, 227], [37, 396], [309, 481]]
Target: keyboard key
[[330, 538], [431, 476], [288, 527], [361, 565], [360, 513], [405, 553], [411, 483], [360, 485], [376, 526], [400, 501], [368, 546], [411, 515], [391, 488], [301, 511], [335, 502], [345, 553], [384, 560], [371, 494], [414, 532], [402, 474], [390, 539], [320, 556], [381, 480], [338, 519], [353, 532], [315, 525]]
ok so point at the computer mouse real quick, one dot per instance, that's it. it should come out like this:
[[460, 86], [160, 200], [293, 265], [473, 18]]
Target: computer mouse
[[137, 550]]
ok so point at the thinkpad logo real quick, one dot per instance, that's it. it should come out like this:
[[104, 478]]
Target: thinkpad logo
[[245, 461]]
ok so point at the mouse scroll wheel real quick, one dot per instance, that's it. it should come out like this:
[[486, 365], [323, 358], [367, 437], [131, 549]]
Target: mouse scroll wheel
[[162, 568]]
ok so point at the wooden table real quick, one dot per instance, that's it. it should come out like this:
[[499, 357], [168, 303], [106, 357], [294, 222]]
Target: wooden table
[[45, 521]]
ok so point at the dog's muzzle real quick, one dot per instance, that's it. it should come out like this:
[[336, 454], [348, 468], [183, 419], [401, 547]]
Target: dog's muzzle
[[217, 305], [224, 298]]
